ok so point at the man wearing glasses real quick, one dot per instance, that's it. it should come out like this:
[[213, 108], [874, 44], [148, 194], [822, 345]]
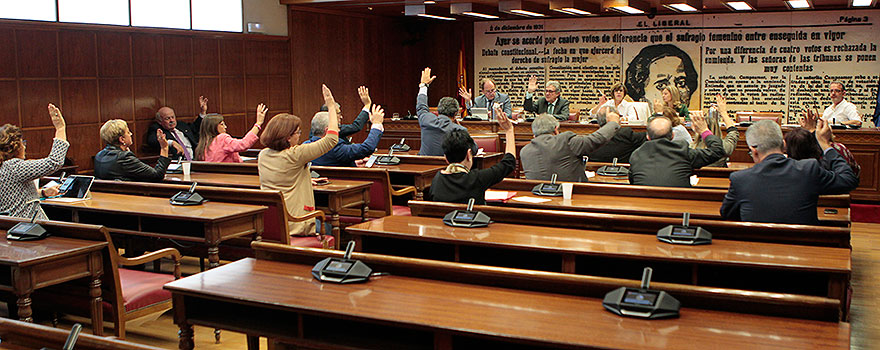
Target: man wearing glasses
[[488, 99], [840, 111], [551, 103]]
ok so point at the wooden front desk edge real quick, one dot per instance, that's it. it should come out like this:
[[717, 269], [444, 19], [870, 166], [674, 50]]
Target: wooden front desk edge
[[394, 311], [50, 261], [221, 220], [22, 335]]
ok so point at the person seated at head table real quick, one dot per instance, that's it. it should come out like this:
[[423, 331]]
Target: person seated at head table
[[487, 99], [552, 102], [563, 154], [663, 161], [458, 182], [671, 98], [215, 145], [840, 111], [434, 126], [729, 141], [284, 164], [117, 162], [624, 108], [182, 137], [621, 146], [346, 154], [778, 189], [346, 130], [20, 197]]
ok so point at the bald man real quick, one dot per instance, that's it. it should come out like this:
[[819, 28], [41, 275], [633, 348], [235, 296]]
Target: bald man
[[182, 137], [660, 161]]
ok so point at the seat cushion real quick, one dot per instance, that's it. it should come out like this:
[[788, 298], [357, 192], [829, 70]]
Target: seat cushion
[[141, 288], [350, 220], [401, 210], [310, 241]]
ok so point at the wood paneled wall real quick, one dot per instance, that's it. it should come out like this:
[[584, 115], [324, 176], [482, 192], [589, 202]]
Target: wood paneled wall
[[387, 55], [97, 73]]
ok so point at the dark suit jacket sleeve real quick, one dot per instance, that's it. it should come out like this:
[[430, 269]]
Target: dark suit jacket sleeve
[[196, 127], [704, 156], [422, 105], [840, 179], [346, 130], [584, 144], [730, 205], [529, 104], [135, 169], [350, 152], [152, 141], [638, 138], [563, 109], [497, 172]]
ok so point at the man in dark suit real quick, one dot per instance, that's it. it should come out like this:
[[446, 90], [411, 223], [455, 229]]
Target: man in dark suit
[[552, 103], [183, 137], [489, 98], [660, 161], [621, 146], [562, 154], [346, 130], [780, 189], [434, 127]]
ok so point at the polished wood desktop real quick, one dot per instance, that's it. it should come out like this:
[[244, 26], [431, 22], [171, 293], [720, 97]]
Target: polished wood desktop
[[17, 335], [822, 271], [207, 224], [282, 301], [28, 266], [334, 197], [703, 182]]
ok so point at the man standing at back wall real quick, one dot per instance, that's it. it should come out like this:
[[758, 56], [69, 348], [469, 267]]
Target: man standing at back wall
[[552, 103], [488, 99]]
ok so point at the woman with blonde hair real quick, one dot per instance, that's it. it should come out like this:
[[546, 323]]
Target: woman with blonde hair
[[215, 145], [672, 99], [117, 162], [20, 197], [284, 164], [712, 119]]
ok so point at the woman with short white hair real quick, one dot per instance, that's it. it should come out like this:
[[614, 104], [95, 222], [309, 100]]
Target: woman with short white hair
[[118, 162]]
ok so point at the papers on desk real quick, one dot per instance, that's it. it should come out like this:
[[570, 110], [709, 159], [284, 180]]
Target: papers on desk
[[248, 159], [591, 174], [529, 199], [499, 196], [65, 199], [694, 180]]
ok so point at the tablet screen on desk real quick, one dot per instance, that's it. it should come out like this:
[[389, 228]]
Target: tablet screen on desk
[[550, 187], [77, 186]]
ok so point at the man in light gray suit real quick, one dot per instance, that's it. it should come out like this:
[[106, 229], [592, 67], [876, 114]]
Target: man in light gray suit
[[563, 154], [434, 126], [552, 102], [488, 99]]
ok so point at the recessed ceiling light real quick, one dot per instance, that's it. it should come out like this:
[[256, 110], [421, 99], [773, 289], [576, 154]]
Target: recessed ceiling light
[[575, 11], [435, 17], [739, 6], [628, 9], [430, 2], [862, 3], [681, 7], [480, 15], [527, 13]]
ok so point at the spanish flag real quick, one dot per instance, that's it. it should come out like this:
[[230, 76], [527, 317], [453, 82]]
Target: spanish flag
[[462, 76]]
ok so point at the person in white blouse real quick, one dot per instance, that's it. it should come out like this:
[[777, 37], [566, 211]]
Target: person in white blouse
[[624, 107], [840, 111]]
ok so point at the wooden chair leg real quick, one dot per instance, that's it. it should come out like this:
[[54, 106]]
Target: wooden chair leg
[[216, 336]]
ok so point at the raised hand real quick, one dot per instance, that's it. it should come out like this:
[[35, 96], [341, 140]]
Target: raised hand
[[503, 121], [465, 94], [57, 118], [699, 123], [823, 133], [602, 99], [364, 93], [203, 104], [163, 143], [721, 102], [612, 117], [261, 113], [427, 78], [809, 120], [658, 106], [328, 96], [533, 84], [377, 114]]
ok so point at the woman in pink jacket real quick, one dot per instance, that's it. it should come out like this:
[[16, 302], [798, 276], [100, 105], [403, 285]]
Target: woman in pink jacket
[[215, 145]]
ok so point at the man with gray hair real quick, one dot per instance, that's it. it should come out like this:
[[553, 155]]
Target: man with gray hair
[[660, 161], [183, 137], [621, 146], [434, 126], [347, 153], [562, 154], [783, 190], [552, 103]]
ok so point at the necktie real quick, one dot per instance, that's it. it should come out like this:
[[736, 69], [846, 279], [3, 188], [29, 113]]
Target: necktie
[[491, 110], [177, 138], [550, 108]]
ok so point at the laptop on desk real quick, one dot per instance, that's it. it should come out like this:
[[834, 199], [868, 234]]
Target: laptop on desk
[[479, 114]]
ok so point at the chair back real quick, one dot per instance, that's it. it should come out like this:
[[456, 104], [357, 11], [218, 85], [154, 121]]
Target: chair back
[[490, 143], [380, 189]]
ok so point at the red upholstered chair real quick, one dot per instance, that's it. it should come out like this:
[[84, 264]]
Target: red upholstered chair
[[488, 142], [381, 192], [126, 294], [573, 116]]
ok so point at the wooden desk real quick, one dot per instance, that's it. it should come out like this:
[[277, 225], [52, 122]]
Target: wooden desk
[[27, 266], [768, 267], [667, 207], [21, 335], [207, 224], [705, 171], [704, 182], [282, 300], [332, 198], [417, 175]]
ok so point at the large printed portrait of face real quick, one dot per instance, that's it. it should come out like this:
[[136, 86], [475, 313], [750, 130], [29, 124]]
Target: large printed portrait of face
[[658, 66]]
